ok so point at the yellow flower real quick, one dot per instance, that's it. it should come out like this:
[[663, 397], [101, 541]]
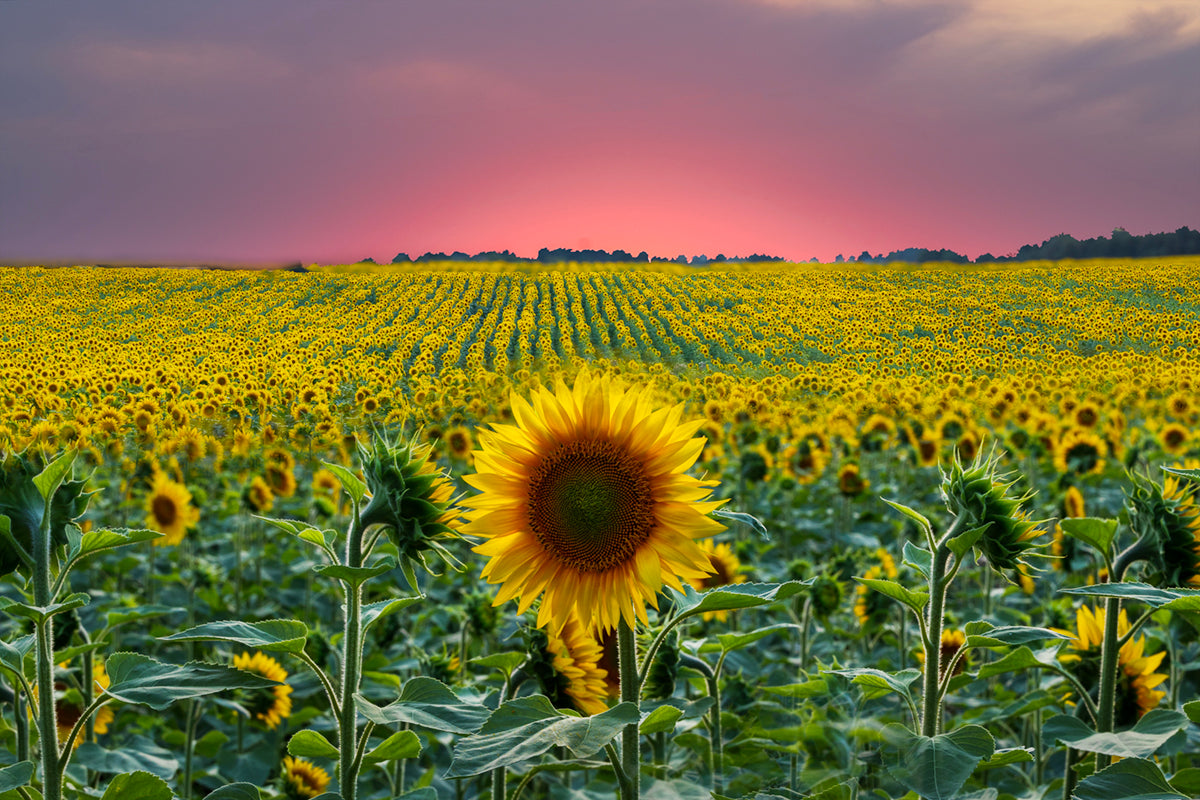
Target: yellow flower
[[1080, 451], [1073, 503], [1136, 676], [585, 502], [850, 482], [69, 705], [270, 705], [258, 495], [576, 657], [727, 569], [459, 442], [302, 779], [169, 509], [871, 608], [952, 642]]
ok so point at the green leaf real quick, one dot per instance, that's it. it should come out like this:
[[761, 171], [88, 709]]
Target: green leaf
[[42, 613], [1183, 604], [141, 680], [977, 627], [311, 744], [137, 786], [582, 736], [235, 791], [1013, 634], [505, 662], [16, 775], [404, 744], [108, 538], [1019, 659], [915, 516], [919, 559], [734, 597], [935, 767], [302, 531], [1187, 780], [1130, 590], [279, 635], [815, 688], [120, 616], [373, 612], [914, 600], [429, 704], [13, 654], [1008, 755], [660, 720], [1098, 533], [1190, 474], [355, 576], [1128, 779], [354, 485], [1192, 709], [962, 543], [877, 683], [1142, 740], [136, 754], [736, 641], [49, 479]]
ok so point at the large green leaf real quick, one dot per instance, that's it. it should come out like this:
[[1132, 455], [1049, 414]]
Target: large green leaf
[[137, 754], [1130, 590], [137, 786], [42, 613], [660, 720], [919, 559], [914, 600], [877, 683], [1141, 741], [373, 612], [429, 704], [139, 679], [734, 597], [915, 516], [49, 479], [235, 791], [403, 744], [16, 775], [814, 688], [285, 635], [1128, 779], [311, 744], [1013, 634], [736, 641], [355, 576], [501, 745], [1096, 532], [1019, 659], [935, 767], [353, 484], [108, 538]]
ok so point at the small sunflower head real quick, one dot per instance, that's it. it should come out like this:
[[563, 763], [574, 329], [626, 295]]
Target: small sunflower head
[[301, 779], [827, 594], [410, 496], [1166, 519], [22, 503], [980, 496], [660, 681]]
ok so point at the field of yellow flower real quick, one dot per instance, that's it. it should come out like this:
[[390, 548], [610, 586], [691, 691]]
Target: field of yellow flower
[[202, 404]]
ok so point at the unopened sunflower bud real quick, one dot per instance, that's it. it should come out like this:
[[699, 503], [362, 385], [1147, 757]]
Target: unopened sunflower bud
[[660, 682], [979, 497], [826, 593], [410, 496], [1167, 522]]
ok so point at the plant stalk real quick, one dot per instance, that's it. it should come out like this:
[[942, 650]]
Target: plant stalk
[[631, 690]]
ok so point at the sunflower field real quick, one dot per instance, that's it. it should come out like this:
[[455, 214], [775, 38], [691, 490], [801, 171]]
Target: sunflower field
[[586, 531]]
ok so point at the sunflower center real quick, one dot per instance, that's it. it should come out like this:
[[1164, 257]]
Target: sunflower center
[[164, 510], [590, 505]]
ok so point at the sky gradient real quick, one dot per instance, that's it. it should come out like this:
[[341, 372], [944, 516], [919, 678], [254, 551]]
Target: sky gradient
[[288, 130]]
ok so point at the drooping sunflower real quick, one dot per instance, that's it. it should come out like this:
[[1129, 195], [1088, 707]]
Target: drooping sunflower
[[1168, 518], [258, 495], [271, 705], [871, 608], [302, 779], [952, 642], [851, 483], [1073, 503], [586, 503], [169, 509], [575, 657], [1136, 676], [727, 569], [69, 705]]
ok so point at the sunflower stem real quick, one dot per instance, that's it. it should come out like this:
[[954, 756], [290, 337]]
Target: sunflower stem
[[631, 690], [351, 667], [47, 713], [1108, 675], [931, 696]]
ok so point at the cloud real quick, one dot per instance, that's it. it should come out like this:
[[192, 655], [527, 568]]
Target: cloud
[[178, 64], [440, 79]]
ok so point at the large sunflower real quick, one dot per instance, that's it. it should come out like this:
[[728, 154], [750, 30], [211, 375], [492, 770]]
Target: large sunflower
[[169, 509], [585, 502], [271, 705], [1136, 676]]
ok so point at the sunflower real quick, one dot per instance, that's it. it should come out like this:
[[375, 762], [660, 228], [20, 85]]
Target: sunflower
[[1169, 518], [727, 570], [1173, 438], [803, 463], [69, 705], [1080, 451], [850, 481], [952, 642], [1073, 503], [575, 661], [871, 608], [1136, 676], [927, 448], [269, 705], [302, 779], [585, 502], [459, 442], [325, 483], [258, 495], [280, 478], [169, 509]]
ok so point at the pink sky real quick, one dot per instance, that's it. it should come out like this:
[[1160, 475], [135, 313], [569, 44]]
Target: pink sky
[[281, 130]]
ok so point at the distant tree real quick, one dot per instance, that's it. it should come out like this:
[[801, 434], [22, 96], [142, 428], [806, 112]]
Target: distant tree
[[401, 258]]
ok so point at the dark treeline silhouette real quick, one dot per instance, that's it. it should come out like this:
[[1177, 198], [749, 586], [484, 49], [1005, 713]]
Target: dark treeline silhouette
[[1121, 244]]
